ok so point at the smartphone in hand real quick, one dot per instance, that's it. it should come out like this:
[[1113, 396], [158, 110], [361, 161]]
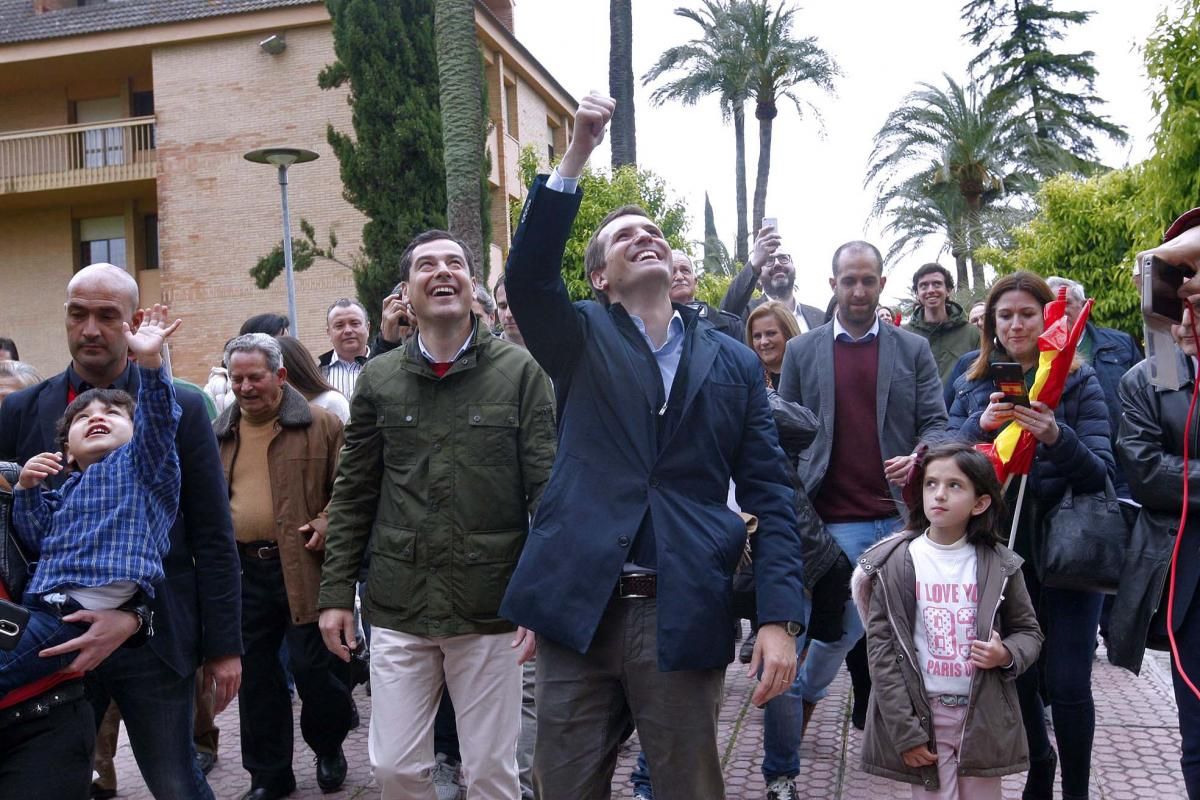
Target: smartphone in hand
[[1160, 289], [1009, 379]]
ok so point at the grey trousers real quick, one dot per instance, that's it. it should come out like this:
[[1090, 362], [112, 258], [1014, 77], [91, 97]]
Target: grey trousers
[[588, 704]]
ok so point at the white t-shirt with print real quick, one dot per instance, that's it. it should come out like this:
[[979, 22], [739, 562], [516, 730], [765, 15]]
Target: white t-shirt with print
[[947, 605]]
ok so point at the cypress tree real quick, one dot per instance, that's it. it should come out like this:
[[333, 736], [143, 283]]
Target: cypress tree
[[1055, 92], [391, 168], [715, 254]]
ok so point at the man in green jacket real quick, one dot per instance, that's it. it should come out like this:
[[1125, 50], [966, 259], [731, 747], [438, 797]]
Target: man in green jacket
[[939, 319], [449, 446]]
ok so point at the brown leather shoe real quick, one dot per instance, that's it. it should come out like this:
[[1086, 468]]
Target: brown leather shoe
[[808, 712]]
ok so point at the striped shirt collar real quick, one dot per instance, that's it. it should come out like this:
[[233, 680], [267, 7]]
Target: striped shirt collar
[[356, 363]]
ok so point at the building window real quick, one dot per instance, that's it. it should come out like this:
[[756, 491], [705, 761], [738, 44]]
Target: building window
[[102, 147], [102, 239], [141, 104], [510, 101], [152, 255]]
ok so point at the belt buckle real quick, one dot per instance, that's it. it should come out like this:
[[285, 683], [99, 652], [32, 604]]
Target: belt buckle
[[264, 551], [953, 700], [621, 593]]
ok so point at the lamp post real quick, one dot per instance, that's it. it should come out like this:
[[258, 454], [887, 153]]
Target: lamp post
[[281, 158]]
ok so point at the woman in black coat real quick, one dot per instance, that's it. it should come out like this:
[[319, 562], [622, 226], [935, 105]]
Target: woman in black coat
[[1074, 449]]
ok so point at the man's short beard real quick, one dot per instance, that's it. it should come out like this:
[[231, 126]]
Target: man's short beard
[[782, 292]]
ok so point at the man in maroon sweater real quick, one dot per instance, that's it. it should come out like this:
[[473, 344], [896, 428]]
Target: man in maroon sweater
[[876, 390]]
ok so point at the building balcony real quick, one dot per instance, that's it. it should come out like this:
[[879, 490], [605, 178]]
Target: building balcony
[[77, 155]]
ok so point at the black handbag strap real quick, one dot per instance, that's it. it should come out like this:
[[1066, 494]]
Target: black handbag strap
[[1110, 497]]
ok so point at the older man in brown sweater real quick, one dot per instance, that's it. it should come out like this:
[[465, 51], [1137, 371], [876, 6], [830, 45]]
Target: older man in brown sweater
[[280, 456]]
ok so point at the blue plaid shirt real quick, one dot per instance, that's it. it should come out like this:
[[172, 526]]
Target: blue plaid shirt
[[111, 522]]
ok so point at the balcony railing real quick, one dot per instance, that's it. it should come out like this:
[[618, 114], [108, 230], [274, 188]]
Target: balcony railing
[[77, 155]]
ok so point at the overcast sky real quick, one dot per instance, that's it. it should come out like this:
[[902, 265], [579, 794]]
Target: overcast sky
[[884, 50]]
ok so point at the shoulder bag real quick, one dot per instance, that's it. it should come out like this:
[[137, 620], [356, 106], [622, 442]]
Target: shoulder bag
[[1083, 543]]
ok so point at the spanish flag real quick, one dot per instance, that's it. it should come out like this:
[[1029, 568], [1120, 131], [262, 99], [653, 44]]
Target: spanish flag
[[1013, 450]]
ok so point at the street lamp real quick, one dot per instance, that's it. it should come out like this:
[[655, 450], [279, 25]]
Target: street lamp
[[282, 158]]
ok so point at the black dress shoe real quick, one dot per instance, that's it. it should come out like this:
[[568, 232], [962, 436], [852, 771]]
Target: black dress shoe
[[264, 793], [100, 793], [331, 771]]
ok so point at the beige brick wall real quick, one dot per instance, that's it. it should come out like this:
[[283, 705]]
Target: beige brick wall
[[531, 118], [33, 109], [34, 271], [218, 213]]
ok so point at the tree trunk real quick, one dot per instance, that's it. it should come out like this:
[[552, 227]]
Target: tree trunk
[[960, 266], [974, 202], [620, 82], [460, 91], [741, 245], [765, 121]]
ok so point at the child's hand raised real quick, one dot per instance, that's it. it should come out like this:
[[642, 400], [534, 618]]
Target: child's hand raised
[[990, 654], [38, 468], [146, 343], [919, 756]]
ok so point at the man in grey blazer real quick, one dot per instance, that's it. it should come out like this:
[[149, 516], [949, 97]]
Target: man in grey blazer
[[876, 391]]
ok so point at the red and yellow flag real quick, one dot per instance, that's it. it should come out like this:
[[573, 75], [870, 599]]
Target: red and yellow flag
[[1013, 450]]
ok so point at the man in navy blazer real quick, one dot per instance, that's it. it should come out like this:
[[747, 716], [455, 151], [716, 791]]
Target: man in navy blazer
[[626, 577], [875, 389], [197, 608]]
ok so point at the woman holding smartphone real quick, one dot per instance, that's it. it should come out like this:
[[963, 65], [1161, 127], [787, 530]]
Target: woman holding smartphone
[[1074, 449]]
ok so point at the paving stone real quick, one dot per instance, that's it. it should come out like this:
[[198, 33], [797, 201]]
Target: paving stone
[[1135, 756]]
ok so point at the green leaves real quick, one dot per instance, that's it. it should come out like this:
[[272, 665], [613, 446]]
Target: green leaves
[[1083, 231], [1090, 229]]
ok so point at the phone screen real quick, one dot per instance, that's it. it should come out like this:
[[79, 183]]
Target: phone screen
[[1165, 281], [1009, 379]]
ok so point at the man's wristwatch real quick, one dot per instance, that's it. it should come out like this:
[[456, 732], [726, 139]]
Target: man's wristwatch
[[138, 606], [793, 628]]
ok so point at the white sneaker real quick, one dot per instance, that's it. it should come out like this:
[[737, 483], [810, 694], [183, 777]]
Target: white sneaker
[[782, 789], [445, 779]]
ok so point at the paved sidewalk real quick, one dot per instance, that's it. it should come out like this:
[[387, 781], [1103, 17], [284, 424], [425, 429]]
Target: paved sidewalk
[[1136, 753]]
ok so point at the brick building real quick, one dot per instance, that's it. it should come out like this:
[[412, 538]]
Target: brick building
[[122, 130]]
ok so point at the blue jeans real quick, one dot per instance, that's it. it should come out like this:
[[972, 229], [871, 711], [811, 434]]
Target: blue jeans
[[157, 705], [22, 665], [640, 777], [783, 716]]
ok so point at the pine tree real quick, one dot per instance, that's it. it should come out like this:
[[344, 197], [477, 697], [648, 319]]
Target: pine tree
[[391, 168], [1054, 92]]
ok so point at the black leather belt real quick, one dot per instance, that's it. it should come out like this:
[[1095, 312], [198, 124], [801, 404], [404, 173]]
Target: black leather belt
[[40, 706], [260, 551], [634, 585]]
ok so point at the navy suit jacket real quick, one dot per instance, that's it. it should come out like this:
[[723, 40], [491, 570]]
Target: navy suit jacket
[[198, 607], [620, 460]]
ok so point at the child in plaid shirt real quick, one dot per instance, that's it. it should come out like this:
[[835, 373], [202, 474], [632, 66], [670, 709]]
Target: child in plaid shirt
[[101, 538]]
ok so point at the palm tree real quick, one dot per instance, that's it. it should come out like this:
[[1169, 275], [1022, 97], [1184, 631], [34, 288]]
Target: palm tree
[[620, 82], [779, 66], [948, 159], [460, 74], [712, 63]]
